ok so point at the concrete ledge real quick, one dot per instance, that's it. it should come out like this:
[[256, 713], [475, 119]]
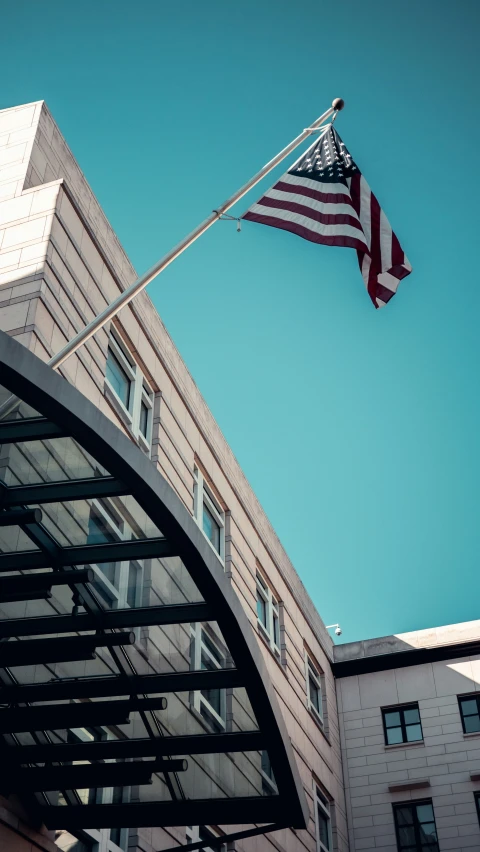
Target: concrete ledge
[[409, 785]]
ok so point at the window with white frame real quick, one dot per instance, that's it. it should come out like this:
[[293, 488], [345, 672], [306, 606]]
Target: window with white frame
[[208, 513], [205, 833], [323, 822], [118, 583], [314, 689], [268, 615], [131, 390], [269, 787], [207, 654], [104, 839]]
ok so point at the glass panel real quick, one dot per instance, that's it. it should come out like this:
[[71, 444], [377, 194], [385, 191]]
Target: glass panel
[[411, 716], [472, 724], [212, 776], [21, 409], [143, 424], [13, 539], [261, 610], [394, 736], [469, 707], [314, 694], [52, 460], [211, 528], [323, 828], [428, 832], [404, 816], [276, 631], [414, 733], [392, 719], [118, 378], [407, 836], [425, 812]]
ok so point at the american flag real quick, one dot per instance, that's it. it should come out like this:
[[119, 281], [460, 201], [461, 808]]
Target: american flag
[[325, 198]]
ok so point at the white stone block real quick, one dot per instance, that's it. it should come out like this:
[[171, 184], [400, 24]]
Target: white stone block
[[13, 119], [24, 233], [12, 154]]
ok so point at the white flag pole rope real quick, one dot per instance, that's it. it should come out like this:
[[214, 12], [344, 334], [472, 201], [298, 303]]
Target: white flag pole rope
[[131, 291]]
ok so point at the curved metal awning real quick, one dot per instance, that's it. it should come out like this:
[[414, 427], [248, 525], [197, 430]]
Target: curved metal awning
[[133, 692]]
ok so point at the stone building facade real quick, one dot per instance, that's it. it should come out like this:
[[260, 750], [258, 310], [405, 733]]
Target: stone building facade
[[60, 264], [409, 708]]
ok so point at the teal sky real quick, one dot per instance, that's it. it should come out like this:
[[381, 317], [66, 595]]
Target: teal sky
[[358, 429]]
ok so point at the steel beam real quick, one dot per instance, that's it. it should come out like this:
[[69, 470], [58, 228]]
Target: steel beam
[[37, 779], [58, 492], [115, 551], [30, 586], [81, 715], [111, 619], [59, 650], [103, 687], [20, 516], [238, 811], [30, 429], [145, 747]]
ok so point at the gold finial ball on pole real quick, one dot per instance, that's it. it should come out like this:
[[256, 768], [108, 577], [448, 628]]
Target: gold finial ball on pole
[[338, 104]]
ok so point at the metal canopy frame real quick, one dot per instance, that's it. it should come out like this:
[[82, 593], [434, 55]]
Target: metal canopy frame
[[69, 414]]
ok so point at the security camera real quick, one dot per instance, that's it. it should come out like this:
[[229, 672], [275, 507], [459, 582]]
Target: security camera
[[338, 629]]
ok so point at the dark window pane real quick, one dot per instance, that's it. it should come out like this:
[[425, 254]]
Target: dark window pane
[[211, 528], [469, 707], [323, 831], [406, 835], [392, 719], [428, 832], [414, 733], [144, 410], [261, 610], [98, 530], [394, 736], [118, 378], [276, 631], [425, 812], [133, 574], [404, 816], [411, 715], [472, 724], [314, 694]]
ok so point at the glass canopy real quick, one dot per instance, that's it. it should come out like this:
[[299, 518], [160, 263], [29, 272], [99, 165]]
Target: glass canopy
[[132, 689]]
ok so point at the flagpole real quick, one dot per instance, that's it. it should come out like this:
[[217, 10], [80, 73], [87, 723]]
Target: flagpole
[[131, 291]]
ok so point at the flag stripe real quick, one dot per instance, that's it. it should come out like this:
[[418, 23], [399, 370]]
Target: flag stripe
[[309, 223], [303, 231], [321, 206], [311, 213], [297, 180], [303, 189]]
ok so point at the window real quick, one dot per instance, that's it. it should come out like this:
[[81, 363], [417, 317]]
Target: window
[[269, 786], [208, 514], [104, 839], [470, 713], [314, 690], [415, 827], [323, 824], [268, 617], [124, 377], [118, 583], [196, 833], [402, 725], [477, 801], [206, 654]]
